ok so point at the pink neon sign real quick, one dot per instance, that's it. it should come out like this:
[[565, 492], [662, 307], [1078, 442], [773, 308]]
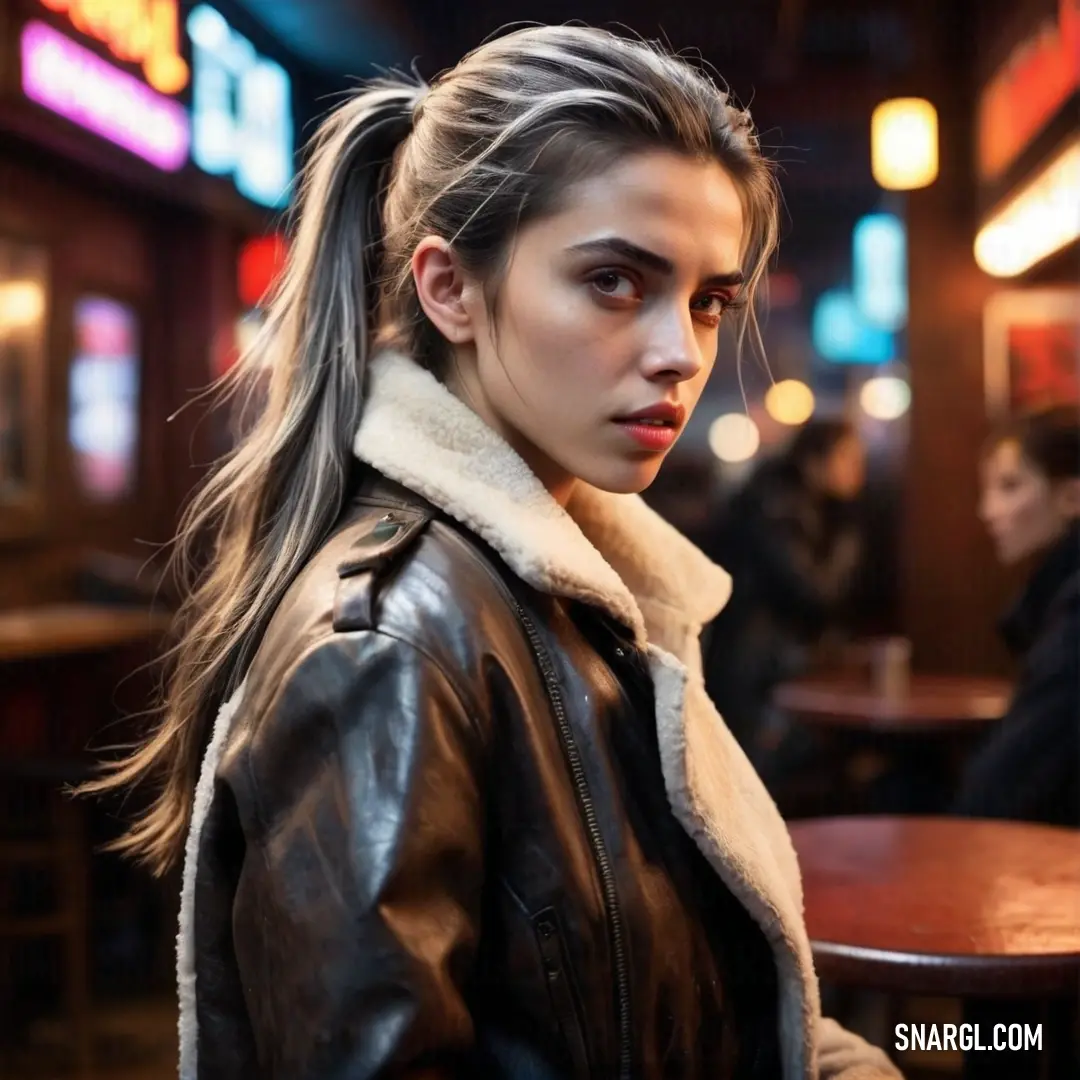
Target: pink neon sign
[[89, 91]]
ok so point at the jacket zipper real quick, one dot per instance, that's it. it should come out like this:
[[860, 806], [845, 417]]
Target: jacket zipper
[[607, 876], [581, 784]]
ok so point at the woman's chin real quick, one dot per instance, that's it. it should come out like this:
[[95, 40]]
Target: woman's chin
[[626, 476]]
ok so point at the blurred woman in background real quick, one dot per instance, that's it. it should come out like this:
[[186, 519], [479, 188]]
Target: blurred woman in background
[[1029, 768], [792, 543]]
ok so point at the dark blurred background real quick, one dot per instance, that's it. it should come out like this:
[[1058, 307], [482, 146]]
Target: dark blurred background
[[142, 218]]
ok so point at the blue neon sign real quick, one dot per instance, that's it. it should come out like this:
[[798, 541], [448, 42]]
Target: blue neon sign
[[841, 333], [879, 270], [242, 115]]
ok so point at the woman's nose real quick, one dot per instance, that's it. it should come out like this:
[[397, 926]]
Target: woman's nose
[[673, 350]]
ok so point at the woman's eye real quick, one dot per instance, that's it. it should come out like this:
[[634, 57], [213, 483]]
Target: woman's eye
[[711, 305], [612, 283]]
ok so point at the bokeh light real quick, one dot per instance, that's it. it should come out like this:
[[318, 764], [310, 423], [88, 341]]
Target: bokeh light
[[734, 437], [885, 397], [904, 144], [790, 402]]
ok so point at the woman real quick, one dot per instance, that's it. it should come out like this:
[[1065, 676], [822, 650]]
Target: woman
[[1029, 768], [431, 833], [792, 544]]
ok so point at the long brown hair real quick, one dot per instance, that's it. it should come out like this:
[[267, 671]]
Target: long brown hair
[[491, 145]]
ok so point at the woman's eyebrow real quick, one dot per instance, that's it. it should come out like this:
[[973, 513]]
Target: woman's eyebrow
[[626, 249]]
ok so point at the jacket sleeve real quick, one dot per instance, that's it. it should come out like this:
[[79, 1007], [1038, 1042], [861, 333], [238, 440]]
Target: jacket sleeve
[[843, 1055], [356, 915], [1029, 768]]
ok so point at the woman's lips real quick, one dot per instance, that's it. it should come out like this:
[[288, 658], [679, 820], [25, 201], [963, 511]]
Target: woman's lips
[[651, 436]]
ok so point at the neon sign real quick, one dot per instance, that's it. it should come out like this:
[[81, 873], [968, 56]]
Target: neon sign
[[144, 32], [89, 91], [842, 334], [1038, 79], [103, 388], [879, 270], [242, 122]]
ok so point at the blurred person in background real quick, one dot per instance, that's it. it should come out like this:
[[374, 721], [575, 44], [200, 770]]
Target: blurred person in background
[[791, 539], [436, 749], [1029, 767]]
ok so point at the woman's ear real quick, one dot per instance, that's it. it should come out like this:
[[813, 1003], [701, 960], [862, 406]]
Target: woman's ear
[[1067, 498], [441, 286]]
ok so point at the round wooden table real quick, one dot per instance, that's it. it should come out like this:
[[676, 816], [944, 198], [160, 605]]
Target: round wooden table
[[943, 905], [932, 704]]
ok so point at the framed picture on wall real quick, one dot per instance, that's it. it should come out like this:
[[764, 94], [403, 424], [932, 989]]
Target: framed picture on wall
[[103, 398], [24, 302], [1031, 349]]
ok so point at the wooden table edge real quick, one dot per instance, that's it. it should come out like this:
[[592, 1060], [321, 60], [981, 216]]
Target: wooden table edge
[[953, 975], [878, 725], [855, 706]]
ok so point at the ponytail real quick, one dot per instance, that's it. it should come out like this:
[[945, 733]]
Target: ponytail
[[271, 503]]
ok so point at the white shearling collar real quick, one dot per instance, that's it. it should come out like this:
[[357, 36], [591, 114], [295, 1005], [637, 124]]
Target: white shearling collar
[[604, 549]]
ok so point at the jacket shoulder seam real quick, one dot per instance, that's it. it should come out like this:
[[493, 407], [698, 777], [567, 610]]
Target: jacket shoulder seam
[[452, 682], [332, 636]]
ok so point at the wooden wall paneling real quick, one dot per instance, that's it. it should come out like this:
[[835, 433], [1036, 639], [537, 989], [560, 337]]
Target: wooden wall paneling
[[176, 267], [198, 268], [953, 591]]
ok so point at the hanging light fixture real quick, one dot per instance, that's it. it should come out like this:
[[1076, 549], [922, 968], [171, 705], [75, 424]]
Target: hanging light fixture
[[1041, 218], [904, 144]]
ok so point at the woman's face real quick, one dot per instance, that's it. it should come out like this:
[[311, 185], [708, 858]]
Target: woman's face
[[609, 309], [1023, 511]]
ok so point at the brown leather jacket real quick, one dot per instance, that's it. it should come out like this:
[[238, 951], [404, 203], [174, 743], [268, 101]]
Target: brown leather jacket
[[472, 813], [440, 843]]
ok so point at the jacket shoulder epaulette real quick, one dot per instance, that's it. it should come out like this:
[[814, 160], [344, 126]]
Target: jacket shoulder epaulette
[[379, 539]]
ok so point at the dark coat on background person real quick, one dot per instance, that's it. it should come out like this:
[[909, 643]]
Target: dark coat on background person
[[793, 556], [1029, 767], [471, 814]]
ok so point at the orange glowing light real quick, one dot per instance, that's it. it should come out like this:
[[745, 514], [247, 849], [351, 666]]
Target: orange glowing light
[[1024, 95], [145, 32]]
